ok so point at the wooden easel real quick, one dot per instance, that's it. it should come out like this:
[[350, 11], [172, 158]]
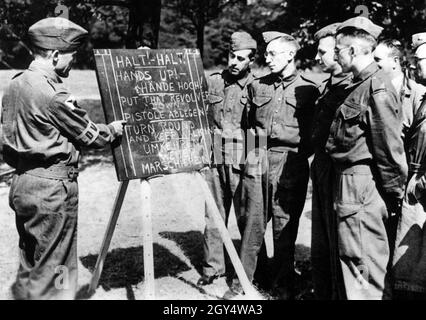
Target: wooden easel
[[249, 290]]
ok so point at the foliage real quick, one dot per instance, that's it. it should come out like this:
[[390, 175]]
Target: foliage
[[206, 24]]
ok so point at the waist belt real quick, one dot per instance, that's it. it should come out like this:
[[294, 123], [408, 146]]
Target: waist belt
[[58, 172], [362, 167]]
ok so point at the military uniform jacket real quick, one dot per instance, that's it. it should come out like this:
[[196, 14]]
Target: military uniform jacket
[[413, 98], [42, 123], [368, 125], [334, 91], [282, 110], [227, 100]]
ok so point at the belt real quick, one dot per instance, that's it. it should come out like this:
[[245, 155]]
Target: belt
[[362, 166], [57, 172]]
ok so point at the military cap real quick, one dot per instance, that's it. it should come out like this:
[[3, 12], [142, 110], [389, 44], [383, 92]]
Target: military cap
[[418, 39], [268, 36], [241, 40], [362, 23], [329, 30], [57, 34]]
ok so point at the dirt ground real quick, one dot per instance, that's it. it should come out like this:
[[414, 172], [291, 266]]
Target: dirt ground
[[178, 222]]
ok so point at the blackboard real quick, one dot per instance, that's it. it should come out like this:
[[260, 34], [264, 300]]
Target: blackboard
[[162, 94]]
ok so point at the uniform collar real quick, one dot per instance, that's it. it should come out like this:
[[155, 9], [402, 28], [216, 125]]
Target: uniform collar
[[230, 80], [339, 78], [279, 80], [367, 72], [50, 74]]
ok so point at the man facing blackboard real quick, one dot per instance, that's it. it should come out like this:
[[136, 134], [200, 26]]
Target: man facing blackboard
[[43, 130], [227, 98]]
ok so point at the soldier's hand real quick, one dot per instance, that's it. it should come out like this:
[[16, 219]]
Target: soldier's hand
[[118, 127], [410, 192]]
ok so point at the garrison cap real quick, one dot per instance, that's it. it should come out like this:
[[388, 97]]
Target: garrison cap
[[327, 31], [268, 36], [241, 40], [362, 23], [418, 39], [57, 34]]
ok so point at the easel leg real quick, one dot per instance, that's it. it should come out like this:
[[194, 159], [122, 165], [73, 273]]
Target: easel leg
[[108, 235], [226, 238], [148, 252]]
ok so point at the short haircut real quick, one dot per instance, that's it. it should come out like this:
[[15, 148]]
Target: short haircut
[[358, 34], [395, 46], [290, 40], [45, 53], [37, 51]]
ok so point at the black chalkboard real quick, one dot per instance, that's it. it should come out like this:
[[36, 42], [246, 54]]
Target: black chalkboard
[[163, 96]]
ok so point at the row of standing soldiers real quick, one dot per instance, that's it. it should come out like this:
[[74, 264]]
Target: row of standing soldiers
[[365, 127]]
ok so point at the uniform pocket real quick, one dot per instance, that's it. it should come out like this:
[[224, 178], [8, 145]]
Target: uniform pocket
[[346, 126], [353, 190], [216, 105]]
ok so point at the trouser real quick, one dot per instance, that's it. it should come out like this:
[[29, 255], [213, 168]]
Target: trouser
[[46, 220], [409, 260], [224, 182], [326, 270], [274, 187], [362, 237]]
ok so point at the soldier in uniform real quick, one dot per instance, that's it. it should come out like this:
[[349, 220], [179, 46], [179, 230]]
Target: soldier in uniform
[[326, 271], [275, 181], [408, 263], [227, 98], [43, 131], [370, 168], [419, 45]]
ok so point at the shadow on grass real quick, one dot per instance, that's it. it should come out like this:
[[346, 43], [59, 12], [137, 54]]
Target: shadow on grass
[[125, 267], [191, 243]]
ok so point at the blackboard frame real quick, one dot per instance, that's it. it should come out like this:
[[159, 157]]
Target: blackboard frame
[[181, 65]]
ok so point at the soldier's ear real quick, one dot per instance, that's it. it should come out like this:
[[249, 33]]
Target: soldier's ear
[[55, 56]]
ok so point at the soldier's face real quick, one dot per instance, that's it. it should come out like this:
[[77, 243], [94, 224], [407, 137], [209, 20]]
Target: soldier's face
[[64, 62], [278, 55], [384, 58], [420, 60], [342, 53], [325, 54], [239, 61]]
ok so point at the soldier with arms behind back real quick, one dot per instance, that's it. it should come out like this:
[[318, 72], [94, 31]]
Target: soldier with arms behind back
[[370, 167], [227, 100]]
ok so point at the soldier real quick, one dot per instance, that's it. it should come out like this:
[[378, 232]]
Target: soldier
[[228, 98], [367, 149], [419, 45], [389, 57], [43, 131], [408, 263], [276, 175], [326, 271]]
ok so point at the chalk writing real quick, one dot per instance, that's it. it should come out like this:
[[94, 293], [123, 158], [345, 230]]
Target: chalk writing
[[162, 94]]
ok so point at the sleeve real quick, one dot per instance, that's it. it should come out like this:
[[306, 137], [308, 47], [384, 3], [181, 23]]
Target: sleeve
[[387, 144], [73, 121], [307, 114]]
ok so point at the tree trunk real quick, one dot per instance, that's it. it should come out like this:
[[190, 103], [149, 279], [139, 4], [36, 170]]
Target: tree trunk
[[200, 28], [144, 23]]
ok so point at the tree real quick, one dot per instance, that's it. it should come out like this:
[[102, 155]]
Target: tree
[[126, 23], [199, 13]]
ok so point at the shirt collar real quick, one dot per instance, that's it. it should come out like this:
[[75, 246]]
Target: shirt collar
[[230, 80], [367, 72], [339, 78], [49, 73], [279, 80]]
